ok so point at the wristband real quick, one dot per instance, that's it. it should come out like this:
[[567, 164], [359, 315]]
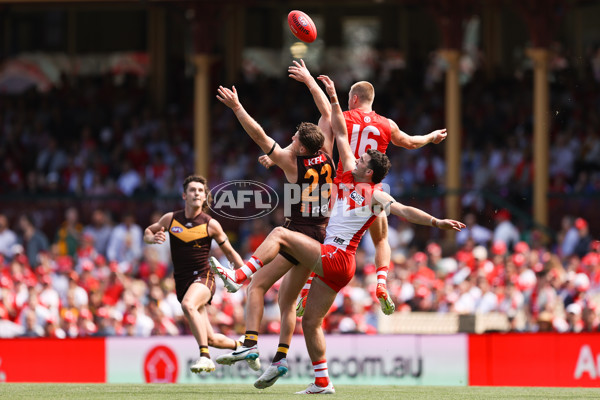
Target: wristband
[[333, 104]]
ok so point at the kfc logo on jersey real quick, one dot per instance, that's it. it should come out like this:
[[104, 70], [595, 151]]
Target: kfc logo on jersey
[[367, 119], [176, 229], [358, 199], [314, 161]]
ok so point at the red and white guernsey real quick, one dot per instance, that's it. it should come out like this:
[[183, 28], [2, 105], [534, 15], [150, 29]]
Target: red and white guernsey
[[366, 131], [352, 213]]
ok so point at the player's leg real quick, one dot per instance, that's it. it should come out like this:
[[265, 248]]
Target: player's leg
[[192, 304], [261, 282], [319, 300], [379, 234], [288, 292], [295, 244]]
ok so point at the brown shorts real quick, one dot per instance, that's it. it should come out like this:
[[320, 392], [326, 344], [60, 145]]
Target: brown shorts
[[316, 232], [182, 284]]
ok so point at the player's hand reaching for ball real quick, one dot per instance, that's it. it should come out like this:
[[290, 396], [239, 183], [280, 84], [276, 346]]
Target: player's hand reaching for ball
[[329, 85], [439, 135], [229, 97], [299, 72], [160, 236]]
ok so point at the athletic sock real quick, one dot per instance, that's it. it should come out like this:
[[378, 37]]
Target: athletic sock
[[250, 338], [204, 352], [247, 270], [321, 373], [382, 273], [307, 285], [282, 351]]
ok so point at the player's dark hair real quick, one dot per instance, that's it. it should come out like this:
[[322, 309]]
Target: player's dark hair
[[379, 163], [311, 137], [364, 90], [202, 180]]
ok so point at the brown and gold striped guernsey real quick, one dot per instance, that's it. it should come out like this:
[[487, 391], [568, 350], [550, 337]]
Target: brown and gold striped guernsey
[[315, 177], [190, 244]]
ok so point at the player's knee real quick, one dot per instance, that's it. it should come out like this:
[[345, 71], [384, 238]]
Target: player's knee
[[278, 233], [311, 323], [256, 288], [188, 307]]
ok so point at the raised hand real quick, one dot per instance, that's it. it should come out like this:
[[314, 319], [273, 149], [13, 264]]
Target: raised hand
[[329, 85], [299, 72], [229, 97]]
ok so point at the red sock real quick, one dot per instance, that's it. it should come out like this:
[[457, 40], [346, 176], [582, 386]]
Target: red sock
[[321, 373], [253, 265]]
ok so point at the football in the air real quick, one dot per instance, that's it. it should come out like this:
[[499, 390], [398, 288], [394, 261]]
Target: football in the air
[[302, 26]]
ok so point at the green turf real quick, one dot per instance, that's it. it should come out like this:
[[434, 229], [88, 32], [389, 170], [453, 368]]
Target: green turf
[[209, 392]]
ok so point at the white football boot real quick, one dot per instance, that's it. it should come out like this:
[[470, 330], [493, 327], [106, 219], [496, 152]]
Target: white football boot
[[226, 274], [250, 354], [203, 365], [270, 376], [314, 389]]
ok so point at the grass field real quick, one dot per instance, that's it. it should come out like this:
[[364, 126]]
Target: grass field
[[210, 392]]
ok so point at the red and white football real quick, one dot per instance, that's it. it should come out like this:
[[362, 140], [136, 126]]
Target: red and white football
[[302, 26]]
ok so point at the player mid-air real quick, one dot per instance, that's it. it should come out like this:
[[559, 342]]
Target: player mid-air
[[359, 200]]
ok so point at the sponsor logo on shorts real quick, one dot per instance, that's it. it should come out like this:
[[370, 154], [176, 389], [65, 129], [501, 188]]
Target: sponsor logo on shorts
[[338, 240], [176, 229]]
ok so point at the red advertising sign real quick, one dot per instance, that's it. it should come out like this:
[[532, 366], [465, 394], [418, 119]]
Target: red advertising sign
[[160, 365], [542, 359], [52, 360]]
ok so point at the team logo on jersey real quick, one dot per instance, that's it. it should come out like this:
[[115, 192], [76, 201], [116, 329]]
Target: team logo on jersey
[[367, 119], [314, 161], [176, 229], [358, 199]]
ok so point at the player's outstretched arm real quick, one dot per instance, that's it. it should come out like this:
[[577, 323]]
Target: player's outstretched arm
[[215, 230], [155, 233], [229, 97], [402, 139], [414, 215], [338, 124], [299, 72], [283, 158]]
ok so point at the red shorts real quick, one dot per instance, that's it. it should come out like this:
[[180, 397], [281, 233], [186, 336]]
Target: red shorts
[[338, 267]]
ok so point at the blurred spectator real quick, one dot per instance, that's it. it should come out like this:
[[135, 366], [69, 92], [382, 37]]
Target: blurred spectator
[[479, 234], [69, 233], [582, 247], [100, 230], [567, 237], [505, 231], [125, 243], [33, 240], [8, 238]]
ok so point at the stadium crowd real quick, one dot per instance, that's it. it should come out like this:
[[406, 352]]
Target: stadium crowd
[[91, 275]]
